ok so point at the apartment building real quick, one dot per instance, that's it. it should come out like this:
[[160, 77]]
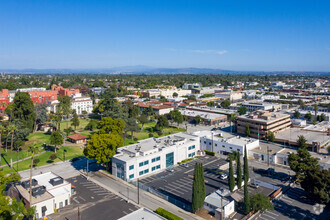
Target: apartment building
[[68, 92], [260, 122], [81, 103], [40, 95], [4, 100], [153, 155], [50, 192], [214, 141]]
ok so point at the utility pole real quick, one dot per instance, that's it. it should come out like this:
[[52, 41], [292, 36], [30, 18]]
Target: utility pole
[[17, 159], [222, 209], [78, 213], [212, 141], [268, 155], [138, 191], [87, 167]]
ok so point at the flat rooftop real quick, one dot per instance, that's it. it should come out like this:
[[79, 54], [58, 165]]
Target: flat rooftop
[[213, 109], [292, 134], [322, 126], [204, 115], [142, 214], [263, 147], [273, 116], [319, 157], [153, 145]]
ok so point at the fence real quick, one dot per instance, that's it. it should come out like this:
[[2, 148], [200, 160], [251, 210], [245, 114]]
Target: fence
[[168, 198]]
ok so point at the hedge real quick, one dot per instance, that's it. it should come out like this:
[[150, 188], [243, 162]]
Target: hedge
[[211, 153], [166, 214]]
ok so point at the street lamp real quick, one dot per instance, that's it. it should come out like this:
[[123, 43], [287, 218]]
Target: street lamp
[[64, 154], [212, 140]]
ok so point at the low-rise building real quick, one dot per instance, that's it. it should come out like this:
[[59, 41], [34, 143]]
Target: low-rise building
[[216, 142], [142, 213], [77, 138], [49, 193], [153, 155], [207, 118], [261, 122], [220, 204], [254, 106], [231, 96]]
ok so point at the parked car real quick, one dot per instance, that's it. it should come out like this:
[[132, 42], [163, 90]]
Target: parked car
[[223, 176], [170, 170]]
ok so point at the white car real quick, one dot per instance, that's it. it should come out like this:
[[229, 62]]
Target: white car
[[223, 176]]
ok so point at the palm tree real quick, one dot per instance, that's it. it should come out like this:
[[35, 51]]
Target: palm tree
[[11, 130], [33, 149], [2, 131], [315, 109]]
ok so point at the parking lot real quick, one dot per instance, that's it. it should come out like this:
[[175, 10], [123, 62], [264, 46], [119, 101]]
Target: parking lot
[[94, 202], [293, 204], [177, 185]]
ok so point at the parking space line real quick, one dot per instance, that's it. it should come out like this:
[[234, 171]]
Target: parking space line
[[125, 213], [75, 199], [271, 213], [269, 216], [131, 210], [82, 198]]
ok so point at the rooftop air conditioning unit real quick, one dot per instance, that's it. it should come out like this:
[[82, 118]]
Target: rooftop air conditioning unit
[[38, 191], [56, 181]]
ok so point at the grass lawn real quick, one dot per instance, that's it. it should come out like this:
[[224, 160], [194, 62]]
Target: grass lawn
[[72, 152], [82, 124], [146, 131], [38, 138]]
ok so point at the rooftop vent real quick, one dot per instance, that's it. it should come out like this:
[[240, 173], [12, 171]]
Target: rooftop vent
[[38, 191], [26, 184], [56, 181]]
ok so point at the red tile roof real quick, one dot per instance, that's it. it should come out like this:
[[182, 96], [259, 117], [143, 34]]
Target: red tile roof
[[77, 137]]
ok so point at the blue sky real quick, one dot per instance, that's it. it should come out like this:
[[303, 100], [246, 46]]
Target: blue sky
[[237, 35]]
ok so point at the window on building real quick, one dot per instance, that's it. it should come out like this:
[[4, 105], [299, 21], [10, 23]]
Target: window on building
[[146, 162], [141, 173], [153, 168], [141, 164], [193, 147], [216, 145], [189, 148], [153, 160], [223, 146], [146, 171], [230, 148], [132, 176], [158, 167], [131, 167]]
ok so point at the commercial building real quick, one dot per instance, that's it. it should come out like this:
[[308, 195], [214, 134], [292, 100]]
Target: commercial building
[[207, 118], [254, 106], [158, 107], [142, 213], [153, 155], [231, 95], [80, 104], [214, 141], [261, 122], [227, 112], [49, 193]]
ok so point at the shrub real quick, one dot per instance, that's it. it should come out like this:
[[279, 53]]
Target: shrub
[[35, 161], [168, 215], [151, 135], [211, 153], [135, 139], [159, 133], [52, 157]]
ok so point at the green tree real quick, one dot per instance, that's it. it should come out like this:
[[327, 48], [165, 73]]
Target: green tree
[[23, 110], [316, 108], [162, 122], [231, 178], [64, 107], [41, 114], [56, 139], [246, 166], [301, 103], [11, 130], [210, 104], [2, 131], [270, 136], [143, 120], [239, 171], [92, 125], [247, 204], [198, 192], [33, 149], [308, 116], [175, 94], [247, 129], [176, 116], [198, 119], [302, 142], [191, 97], [322, 117], [75, 121], [296, 114], [225, 104], [102, 147], [132, 126], [261, 202], [242, 110], [110, 125]]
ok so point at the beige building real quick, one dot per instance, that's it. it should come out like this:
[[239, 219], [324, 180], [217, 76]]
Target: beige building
[[260, 122]]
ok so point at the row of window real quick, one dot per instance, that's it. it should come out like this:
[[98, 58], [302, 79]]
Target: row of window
[[143, 172], [155, 168], [191, 155], [191, 147], [144, 163], [155, 159]]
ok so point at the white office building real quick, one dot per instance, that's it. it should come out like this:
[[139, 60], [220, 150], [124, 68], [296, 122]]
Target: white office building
[[81, 103], [153, 155], [49, 193], [214, 141]]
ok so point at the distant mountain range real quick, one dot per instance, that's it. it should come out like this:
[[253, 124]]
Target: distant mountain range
[[152, 70]]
